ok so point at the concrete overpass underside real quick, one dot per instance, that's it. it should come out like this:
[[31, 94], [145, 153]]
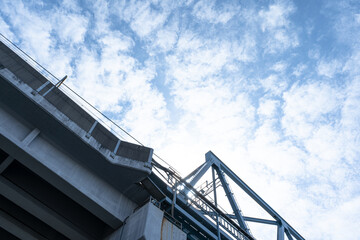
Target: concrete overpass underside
[[63, 175]]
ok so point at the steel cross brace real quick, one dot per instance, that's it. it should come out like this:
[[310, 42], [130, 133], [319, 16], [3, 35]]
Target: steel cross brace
[[200, 171], [221, 169], [283, 226]]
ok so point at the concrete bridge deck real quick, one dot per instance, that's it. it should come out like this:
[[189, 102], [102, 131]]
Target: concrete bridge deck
[[63, 175]]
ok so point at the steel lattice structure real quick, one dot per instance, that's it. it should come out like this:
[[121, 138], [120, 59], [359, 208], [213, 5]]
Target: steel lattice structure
[[228, 226]]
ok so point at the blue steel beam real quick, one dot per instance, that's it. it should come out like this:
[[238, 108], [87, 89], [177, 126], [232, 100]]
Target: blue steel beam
[[231, 199], [215, 201], [200, 173], [211, 157], [259, 220], [198, 223], [288, 234], [194, 172], [294, 233], [280, 232]]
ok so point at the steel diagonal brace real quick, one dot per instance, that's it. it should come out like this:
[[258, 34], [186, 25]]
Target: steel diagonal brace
[[288, 234], [212, 206], [194, 172], [200, 173], [197, 174], [231, 198], [212, 157]]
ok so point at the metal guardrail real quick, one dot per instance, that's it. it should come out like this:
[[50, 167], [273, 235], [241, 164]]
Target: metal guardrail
[[207, 210], [203, 206]]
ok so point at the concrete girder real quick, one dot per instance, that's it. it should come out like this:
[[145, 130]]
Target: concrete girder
[[33, 206], [17, 228]]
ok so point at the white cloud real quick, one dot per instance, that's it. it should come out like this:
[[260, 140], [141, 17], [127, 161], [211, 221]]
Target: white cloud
[[357, 18], [206, 10], [299, 69], [245, 49], [115, 79], [332, 224], [208, 106], [166, 38], [278, 155], [280, 66], [311, 119], [210, 118], [274, 84], [325, 148], [276, 16], [188, 41], [346, 23], [351, 66], [275, 22], [328, 68], [101, 13], [72, 5], [268, 107], [281, 40], [143, 17], [350, 122], [146, 119], [195, 61], [114, 43], [5, 30], [70, 27], [35, 33], [307, 106], [31, 27], [314, 53], [317, 116]]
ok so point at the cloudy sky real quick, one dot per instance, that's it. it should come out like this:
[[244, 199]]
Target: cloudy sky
[[271, 87]]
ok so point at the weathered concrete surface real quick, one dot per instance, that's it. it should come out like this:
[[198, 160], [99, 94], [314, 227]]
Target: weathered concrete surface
[[60, 169], [171, 232], [148, 223], [144, 224]]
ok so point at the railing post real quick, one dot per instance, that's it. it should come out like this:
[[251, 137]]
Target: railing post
[[88, 134]]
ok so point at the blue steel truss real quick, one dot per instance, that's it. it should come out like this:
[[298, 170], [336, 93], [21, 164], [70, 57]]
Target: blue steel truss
[[228, 226]]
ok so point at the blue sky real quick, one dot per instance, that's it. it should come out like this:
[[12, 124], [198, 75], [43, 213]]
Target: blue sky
[[271, 87]]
